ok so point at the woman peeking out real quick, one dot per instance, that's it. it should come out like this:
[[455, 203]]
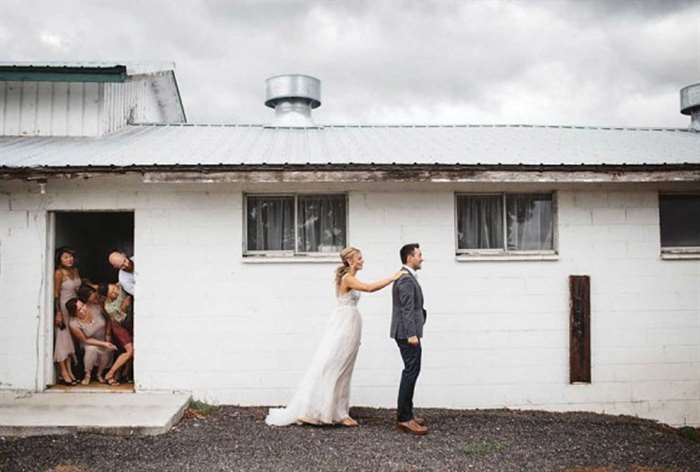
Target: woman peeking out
[[118, 306]]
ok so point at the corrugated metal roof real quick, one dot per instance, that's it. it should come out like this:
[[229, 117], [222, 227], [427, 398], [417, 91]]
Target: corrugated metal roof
[[187, 144]]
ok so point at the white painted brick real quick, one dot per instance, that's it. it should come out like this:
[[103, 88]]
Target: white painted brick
[[650, 372], [497, 332], [609, 216], [634, 233], [642, 216], [597, 199], [648, 199], [607, 355], [575, 216], [649, 250], [666, 390]]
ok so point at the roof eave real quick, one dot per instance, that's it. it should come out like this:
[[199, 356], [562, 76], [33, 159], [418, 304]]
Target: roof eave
[[116, 73], [339, 173]]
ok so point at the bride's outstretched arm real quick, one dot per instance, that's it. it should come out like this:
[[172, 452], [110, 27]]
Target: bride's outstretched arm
[[352, 282]]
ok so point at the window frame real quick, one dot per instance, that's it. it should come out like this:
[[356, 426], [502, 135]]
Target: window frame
[[676, 252], [295, 253], [505, 252]]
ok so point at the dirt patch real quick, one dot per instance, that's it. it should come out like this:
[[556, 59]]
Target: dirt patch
[[67, 468]]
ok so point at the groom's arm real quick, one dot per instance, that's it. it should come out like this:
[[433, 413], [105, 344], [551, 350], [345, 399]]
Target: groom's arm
[[407, 306]]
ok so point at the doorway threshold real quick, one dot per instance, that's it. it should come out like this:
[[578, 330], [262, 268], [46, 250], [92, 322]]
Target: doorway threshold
[[47, 413], [94, 387]]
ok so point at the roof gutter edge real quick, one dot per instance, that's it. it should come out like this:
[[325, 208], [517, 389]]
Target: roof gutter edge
[[685, 172]]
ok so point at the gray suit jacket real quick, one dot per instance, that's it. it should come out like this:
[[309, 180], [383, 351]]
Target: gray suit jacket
[[407, 314]]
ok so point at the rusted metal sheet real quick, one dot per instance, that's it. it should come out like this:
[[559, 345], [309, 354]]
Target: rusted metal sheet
[[580, 329]]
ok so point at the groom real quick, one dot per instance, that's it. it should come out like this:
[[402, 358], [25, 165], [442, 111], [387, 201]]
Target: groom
[[407, 320]]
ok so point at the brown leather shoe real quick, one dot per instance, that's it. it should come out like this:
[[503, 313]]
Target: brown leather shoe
[[412, 427], [419, 420]]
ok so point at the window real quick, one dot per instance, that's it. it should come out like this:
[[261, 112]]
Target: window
[[679, 218], [288, 225], [505, 223]]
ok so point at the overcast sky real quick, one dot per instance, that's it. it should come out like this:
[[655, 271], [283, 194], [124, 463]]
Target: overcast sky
[[586, 62]]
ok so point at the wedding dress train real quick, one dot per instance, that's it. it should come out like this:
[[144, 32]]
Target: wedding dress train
[[323, 396]]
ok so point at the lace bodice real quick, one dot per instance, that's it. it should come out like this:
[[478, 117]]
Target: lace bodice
[[351, 298]]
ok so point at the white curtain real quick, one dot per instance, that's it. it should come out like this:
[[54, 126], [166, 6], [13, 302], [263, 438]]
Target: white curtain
[[270, 223], [322, 222], [480, 222], [530, 221]]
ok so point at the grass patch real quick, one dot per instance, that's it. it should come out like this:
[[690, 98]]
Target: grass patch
[[200, 409], [480, 448], [691, 433]]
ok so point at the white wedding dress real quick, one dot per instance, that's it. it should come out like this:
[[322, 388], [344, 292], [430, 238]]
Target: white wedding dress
[[323, 396]]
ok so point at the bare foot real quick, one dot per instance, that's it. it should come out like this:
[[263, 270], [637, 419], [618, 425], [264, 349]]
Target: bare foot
[[101, 379], [349, 422], [305, 420]]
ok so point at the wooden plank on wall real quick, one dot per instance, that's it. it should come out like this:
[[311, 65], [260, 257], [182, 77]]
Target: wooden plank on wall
[[580, 328]]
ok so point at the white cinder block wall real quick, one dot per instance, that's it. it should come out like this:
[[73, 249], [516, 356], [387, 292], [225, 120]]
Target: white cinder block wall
[[237, 332]]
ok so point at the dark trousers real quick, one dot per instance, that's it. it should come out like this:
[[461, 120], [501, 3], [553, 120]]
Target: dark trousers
[[411, 356]]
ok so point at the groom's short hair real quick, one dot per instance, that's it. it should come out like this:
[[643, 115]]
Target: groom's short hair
[[407, 250]]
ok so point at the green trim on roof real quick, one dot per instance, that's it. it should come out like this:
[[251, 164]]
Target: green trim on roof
[[63, 74]]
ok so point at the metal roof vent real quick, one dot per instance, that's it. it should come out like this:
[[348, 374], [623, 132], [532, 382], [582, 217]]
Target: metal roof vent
[[690, 104], [293, 96]]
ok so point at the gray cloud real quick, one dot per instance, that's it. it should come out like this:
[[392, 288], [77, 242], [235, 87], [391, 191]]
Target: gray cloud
[[565, 62]]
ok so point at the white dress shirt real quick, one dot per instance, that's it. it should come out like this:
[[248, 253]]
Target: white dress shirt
[[411, 271], [127, 280]]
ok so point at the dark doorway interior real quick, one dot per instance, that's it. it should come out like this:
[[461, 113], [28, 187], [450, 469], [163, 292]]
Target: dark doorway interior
[[93, 235]]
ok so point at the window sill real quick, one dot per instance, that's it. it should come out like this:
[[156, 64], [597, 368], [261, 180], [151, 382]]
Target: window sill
[[670, 256], [506, 257], [290, 259]]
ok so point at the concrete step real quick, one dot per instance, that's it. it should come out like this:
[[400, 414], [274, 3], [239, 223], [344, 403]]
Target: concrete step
[[32, 414]]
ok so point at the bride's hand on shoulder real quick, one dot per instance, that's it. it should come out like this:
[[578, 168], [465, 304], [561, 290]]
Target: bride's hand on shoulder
[[398, 275]]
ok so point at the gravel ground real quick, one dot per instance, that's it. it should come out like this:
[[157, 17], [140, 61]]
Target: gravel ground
[[234, 438]]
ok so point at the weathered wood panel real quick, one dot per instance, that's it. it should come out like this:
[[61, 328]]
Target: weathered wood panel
[[275, 176], [580, 329]]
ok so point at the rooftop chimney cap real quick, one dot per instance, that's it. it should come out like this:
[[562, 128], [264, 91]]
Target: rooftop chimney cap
[[690, 104], [293, 87]]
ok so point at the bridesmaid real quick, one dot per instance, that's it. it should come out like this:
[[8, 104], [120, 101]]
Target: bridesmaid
[[66, 282], [90, 328]]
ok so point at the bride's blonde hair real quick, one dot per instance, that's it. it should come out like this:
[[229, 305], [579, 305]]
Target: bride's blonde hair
[[346, 256]]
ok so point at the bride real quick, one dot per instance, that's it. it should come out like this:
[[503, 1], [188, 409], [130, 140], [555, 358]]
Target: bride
[[323, 397]]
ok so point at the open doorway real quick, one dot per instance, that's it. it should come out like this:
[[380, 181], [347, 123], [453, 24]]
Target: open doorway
[[91, 236]]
